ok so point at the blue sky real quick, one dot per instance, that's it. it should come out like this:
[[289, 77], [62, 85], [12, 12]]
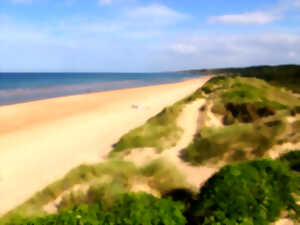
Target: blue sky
[[146, 35]]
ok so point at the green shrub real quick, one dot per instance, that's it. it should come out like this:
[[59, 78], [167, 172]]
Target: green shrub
[[128, 209], [163, 176], [255, 139], [293, 159], [249, 193], [104, 193]]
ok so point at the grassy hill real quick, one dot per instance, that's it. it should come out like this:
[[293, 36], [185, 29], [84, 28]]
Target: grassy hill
[[283, 75], [254, 115]]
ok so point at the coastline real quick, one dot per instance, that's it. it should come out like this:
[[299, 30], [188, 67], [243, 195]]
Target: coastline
[[42, 140], [11, 94]]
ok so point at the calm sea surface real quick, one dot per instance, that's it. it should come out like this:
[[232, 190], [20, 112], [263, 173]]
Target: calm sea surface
[[23, 87]]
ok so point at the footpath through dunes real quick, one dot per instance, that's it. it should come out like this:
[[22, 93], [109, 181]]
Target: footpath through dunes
[[41, 141], [188, 121]]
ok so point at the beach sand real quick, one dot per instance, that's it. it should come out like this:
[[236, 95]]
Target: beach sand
[[41, 141]]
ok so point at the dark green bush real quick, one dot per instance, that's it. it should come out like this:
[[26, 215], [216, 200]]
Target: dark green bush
[[293, 159], [128, 209], [249, 193]]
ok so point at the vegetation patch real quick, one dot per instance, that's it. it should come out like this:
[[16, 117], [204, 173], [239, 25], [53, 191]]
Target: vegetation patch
[[251, 193], [254, 115], [249, 99], [248, 193], [141, 208], [159, 132], [163, 176], [287, 76], [292, 159], [234, 142], [159, 175]]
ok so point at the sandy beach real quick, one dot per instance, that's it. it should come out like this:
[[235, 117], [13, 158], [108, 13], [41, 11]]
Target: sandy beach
[[41, 141]]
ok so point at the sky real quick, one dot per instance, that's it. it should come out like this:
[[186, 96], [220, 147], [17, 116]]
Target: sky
[[146, 35]]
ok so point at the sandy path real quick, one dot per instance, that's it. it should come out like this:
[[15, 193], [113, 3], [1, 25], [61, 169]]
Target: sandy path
[[195, 175], [41, 141]]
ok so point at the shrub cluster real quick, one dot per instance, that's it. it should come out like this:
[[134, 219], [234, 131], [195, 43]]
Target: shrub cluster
[[129, 209], [248, 193]]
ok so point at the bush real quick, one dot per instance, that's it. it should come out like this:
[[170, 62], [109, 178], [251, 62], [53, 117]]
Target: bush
[[163, 176], [129, 209], [255, 139], [249, 193], [293, 159], [183, 195]]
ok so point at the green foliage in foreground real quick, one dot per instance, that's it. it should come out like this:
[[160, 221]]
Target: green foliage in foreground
[[159, 132], [249, 193], [293, 160], [106, 180], [129, 209]]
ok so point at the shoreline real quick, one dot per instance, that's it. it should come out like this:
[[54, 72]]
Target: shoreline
[[11, 111], [42, 140], [104, 88]]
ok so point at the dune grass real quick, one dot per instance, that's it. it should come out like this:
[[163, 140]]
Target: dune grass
[[159, 175], [254, 115], [159, 132], [106, 180], [233, 143], [256, 93]]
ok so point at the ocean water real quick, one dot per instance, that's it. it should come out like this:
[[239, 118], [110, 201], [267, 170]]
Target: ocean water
[[24, 87]]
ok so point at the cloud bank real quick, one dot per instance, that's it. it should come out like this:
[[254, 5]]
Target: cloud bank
[[147, 37], [256, 18]]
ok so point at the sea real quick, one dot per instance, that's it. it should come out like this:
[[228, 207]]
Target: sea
[[23, 87]]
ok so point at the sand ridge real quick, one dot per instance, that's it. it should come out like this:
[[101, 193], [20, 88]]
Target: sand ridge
[[188, 121], [41, 141]]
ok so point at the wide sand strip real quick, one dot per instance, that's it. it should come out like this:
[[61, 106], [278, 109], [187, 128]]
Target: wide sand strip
[[41, 141]]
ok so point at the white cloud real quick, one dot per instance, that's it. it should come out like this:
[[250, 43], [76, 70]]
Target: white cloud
[[296, 3], [184, 48], [21, 1], [105, 2], [156, 12], [233, 50], [256, 18], [147, 34]]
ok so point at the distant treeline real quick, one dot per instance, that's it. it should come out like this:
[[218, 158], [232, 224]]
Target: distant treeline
[[284, 75]]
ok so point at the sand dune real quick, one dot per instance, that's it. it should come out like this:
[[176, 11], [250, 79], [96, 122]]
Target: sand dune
[[195, 175], [40, 141]]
